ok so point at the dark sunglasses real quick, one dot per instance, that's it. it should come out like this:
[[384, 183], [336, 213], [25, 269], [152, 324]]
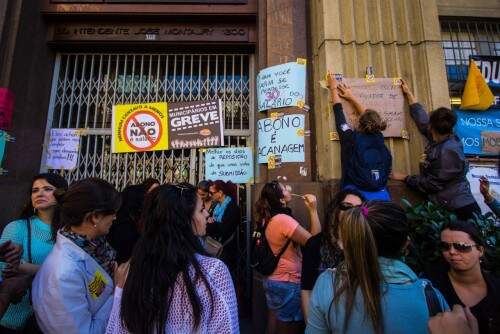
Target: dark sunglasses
[[460, 247], [343, 206]]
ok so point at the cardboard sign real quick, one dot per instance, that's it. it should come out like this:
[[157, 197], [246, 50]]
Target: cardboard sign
[[473, 176], [282, 86], [62, 152], [6, 108], [233, 164], [139, 127], [196, 124], [383, 95], [479, 131], [283, 136]]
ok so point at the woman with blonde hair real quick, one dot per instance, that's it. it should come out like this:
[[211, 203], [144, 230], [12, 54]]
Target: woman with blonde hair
[[372, 291]]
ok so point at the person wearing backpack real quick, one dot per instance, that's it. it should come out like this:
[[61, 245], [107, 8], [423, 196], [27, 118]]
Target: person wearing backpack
[[366, 161], [443, 167], [283, 235]]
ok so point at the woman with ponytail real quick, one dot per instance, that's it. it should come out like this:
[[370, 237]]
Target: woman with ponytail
[[366, 161], [172, 285], [72, 292], [284, 236], [33, 232], [372, 291]]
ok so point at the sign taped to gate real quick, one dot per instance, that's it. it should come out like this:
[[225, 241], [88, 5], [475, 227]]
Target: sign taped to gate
[[233, 164], [196, 124], [140, 127], [63, 149]]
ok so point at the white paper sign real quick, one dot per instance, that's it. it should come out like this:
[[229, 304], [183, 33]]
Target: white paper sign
[[473, 176], [63, 147], [233, 164]]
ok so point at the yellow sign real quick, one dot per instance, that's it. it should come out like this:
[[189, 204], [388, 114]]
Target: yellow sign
[[97, 285], [140, 127]]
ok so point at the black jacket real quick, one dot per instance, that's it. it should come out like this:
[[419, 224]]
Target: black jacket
[[226, 229], [442, 172]]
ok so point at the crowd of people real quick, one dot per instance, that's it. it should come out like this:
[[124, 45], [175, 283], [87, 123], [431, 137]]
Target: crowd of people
[[161, 258]]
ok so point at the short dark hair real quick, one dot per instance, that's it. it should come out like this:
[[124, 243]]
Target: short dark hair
[[466, 227], [442, 120]]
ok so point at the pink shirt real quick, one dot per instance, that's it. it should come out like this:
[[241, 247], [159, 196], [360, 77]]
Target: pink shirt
[[279, 230]]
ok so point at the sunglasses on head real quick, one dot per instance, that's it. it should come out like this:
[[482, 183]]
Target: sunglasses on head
[[460, 247], [343, 206]]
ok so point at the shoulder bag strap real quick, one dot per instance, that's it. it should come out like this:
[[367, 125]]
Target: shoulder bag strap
[[432, 300], [28, 225]]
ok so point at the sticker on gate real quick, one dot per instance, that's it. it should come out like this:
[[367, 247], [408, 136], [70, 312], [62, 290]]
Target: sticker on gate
[[140, 127]]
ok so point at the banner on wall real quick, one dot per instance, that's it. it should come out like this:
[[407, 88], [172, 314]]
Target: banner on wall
[[283, 137], [140, 127], [63, 149], [282, 86], [195, 124], [233, 164], [383, 95], [479, 131]]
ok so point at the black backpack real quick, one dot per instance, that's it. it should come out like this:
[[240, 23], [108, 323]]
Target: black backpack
[[370, 162], [263, 259]]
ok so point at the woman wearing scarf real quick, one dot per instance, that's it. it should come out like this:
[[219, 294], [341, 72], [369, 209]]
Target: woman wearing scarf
[[223, 225], [73, 290]]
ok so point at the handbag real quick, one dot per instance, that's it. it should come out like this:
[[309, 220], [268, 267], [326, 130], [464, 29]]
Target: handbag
[[214, 247]]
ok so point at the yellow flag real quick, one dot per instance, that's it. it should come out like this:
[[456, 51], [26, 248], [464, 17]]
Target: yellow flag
[[477, 95]]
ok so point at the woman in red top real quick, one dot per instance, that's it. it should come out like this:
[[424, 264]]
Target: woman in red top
[[282, 287]]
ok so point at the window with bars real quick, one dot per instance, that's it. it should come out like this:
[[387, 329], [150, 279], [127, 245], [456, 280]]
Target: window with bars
[[462, 39]]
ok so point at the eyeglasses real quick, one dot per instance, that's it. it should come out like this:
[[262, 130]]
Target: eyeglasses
[[343, 206], [460, 247]]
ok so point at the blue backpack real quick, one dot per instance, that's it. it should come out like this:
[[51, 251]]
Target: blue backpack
[[370, 163]]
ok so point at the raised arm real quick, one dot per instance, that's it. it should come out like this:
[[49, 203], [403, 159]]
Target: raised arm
[[346, 92], [312, 206], [417, 112]]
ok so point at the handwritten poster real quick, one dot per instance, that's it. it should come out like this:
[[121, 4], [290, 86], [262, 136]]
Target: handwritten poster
[[383, 95], [282, 86], [63, 149], [473, 176], [283, 136], [233, 164], [195, 124]]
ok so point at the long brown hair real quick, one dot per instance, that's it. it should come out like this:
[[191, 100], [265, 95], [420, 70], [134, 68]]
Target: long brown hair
[[377, 228], [360, 268]]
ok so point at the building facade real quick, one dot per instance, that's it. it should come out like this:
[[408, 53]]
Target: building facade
[[68, 62]]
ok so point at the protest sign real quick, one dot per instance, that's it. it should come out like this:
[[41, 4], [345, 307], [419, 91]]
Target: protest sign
[[282, 86], [473, 176], [62, 152], [479, 131], [283, 136], [233, 164], [6, 108], [196, 124], [383, 95], [139, 127]]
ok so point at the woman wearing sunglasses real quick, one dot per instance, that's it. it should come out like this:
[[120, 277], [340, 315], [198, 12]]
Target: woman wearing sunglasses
[[320, 251], [464, 282], [73, 290]]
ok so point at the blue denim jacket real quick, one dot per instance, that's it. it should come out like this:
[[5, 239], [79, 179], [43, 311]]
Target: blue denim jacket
[[404, 307]]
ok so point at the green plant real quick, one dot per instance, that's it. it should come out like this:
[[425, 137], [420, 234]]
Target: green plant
[[426, 221]]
